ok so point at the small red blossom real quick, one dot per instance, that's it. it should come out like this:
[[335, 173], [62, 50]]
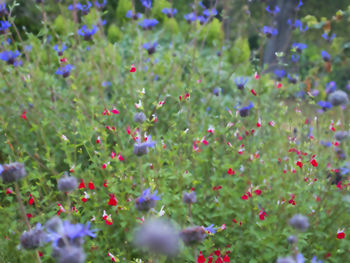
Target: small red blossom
[[253, 92], [29, 216], [115, 111], [340, 235], [201, 258], [31, 200], [9, 191], [104, 166], [112, 200], [299, 164], [63, 60], [120, 157], [257, 192], [132, 68], [244, 197], [226, 258], [314, 163], [82, 184], [23, 116], [91, 185], [112, 155], [231, 171], [279, 85]]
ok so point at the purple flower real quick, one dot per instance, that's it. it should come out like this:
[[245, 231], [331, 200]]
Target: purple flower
[[273, 12], [208, 13], [147, 3], [331, 87], [280, 73], [60, 51], [190, 17], [151, 48], [327, 37], [4, 25], [142, 148], [146, 200], [211, 229], [326, 144], [148, 24], [170, 12], [325, 105], [87, 33], [299, 5], [344, 170], [300, 258], [100, 6], [240, 82], [297, 24], [64, 71], [202, 20], [244, 111], [135, 16], [299, 47], [11, 57], [85, 9], [147, 195], [3, 10], [326, 57], [269, 31], [293, 78], [314, 260], [295, 58]]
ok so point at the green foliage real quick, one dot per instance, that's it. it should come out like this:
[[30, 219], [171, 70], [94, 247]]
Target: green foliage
[[123, 7], [157, 7], [212, 33], [240, 51], [114, 33], [171, 26], [62, 25]]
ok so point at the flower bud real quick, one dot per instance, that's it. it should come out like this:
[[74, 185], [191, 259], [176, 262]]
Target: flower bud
[[32, 239], [338, 98], [139, 117], [67, 183], [299, 222], [12, 172], [341, 135], [193, 235], [189, 198]]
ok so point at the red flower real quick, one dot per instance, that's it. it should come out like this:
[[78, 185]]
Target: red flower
[[91, 185], [115, 111], [253, 92], [132, 68], [314, 163], [244, 197], [9, 191], [31, 200], [104, 166], [201, 258], [84, 199], [230, 171], [226, 258], [257, 192], [120, 157], [112, 200], [340, 235], [82, 184], [29, 215], [299, 164], [23, 116]]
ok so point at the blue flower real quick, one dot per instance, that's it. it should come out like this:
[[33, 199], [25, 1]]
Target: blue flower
[[11, 57], [3, 10], [344, 170], [295, 58], [60, 51], [327, 37], [244, 111], [208, 13], [240, 82], [148, 24], [273, 12], [106, 84], [269, 31], [211, 229], [314, 260], [300, 258], [87, 33], [331, 87], [70, 232], [4, 25], [147, 3], [85, 9], [280, 73], [190, 17], [293, 79], [100, 6], [28, 48], [202, 20], [147, 196], [151, 48], [325, 105], [170, 12], [297, 24], [135, 16], [142, 148], [326, 57], [326, 144], [299, 47], [65, 71]]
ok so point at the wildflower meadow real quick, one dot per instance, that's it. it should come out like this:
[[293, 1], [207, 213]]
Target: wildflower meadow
[[179, 131]]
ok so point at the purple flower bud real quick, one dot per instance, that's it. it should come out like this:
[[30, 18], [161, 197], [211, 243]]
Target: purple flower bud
[[71, 254], [338, 98], [193, 235], [292, 239], [158, 236], [341, 135], [33, 239], [140, 117], [285, 260], [67, 183], [189, 198], [299, 222], [55, 224], [12, 172]]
